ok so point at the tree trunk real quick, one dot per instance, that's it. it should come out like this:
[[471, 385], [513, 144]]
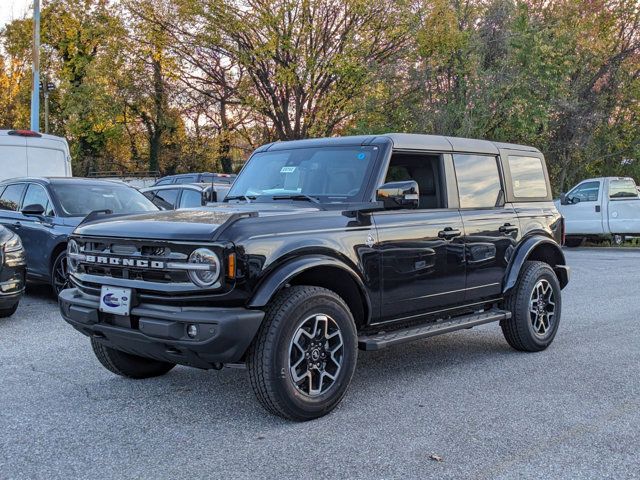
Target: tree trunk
[[224, 145]]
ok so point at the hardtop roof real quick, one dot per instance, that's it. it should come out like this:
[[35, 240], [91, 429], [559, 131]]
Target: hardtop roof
[[405, 141]]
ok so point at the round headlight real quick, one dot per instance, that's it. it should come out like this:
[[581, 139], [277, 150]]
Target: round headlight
[[72, 250], [204, 277]]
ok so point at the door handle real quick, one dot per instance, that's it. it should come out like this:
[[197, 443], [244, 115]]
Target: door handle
[[448, 233], [597, 208], [508, 228]]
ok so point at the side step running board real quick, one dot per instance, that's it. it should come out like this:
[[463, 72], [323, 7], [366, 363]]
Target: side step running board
[[378, 341]]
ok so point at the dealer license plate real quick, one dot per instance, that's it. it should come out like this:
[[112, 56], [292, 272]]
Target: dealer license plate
[[115, 300]]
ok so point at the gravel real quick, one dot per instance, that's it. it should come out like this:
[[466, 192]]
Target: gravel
[[463, 405]]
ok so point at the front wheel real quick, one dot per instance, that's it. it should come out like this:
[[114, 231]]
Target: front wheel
[[127, 365], [304, 355], [7, 312], [60, 273], [535, 304]]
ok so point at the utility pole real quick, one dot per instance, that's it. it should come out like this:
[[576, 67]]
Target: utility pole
[[35, 92]]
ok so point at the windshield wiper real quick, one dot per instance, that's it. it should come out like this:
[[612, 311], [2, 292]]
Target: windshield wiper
[[246, 198], [307, 198]]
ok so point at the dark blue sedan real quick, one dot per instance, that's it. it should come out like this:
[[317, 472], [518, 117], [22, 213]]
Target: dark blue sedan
[[44, 211]]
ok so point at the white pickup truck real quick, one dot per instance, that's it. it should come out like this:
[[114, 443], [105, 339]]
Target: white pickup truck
[[599, 208]]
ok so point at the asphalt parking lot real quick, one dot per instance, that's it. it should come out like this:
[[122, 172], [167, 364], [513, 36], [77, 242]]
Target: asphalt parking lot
[[466, 398]]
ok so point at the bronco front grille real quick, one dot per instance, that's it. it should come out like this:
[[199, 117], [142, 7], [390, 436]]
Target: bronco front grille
[[133, 259]]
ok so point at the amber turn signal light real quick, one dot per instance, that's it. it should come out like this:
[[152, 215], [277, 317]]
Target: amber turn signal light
[[231, 265]]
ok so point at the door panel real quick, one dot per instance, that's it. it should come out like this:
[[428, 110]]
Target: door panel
[[490, 238], [36, 232], [10, 203], [421, 270], [584, 217], [624, 216]]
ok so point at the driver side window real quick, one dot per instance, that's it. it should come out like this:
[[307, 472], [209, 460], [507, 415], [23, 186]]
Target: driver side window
[[425, 171], [586, 192]]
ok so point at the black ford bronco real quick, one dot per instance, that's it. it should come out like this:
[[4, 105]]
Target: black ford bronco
[[323, 247]]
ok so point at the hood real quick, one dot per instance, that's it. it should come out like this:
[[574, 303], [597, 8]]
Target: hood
[[198, 224]]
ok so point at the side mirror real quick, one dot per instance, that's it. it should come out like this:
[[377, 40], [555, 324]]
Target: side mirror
[[405, 194], [34, 209]]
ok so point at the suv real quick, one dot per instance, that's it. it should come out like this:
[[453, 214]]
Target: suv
[[195, 195], [185, 178], [322, 247]]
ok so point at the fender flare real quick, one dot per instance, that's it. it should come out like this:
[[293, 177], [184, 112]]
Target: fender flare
[[522, 255], [277, 279]]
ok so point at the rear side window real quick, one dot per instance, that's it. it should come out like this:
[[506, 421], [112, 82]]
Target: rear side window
[[586, 192], [10, 199], [190, 199], [478, 180], [527, 176], [187, 179], [623, 188], [166, 199], [166, 181]]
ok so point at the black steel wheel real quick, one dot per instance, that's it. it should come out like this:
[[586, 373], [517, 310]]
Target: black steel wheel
[[60, 273]]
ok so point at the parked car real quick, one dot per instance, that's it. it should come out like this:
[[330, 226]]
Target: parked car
[[171, 197], [44, 211], [206, 177], [24, 153], [12, 272], [600, 208], [323, 246]]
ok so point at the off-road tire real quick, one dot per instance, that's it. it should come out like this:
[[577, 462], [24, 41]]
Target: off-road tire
[[518, 330], [7, 312], [269, 355], [127, 365]]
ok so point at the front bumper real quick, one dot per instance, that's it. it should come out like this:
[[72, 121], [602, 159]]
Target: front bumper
[[160, 333], [12, 279]]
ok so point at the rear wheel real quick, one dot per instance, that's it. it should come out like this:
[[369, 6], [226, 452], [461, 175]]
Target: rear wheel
[[535, 304], [572, 242], [303, 358], [618, 239], [7, 312], [127, 365]]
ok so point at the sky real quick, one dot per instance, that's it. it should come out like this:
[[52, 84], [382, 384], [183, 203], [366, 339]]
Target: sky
[[10, 9]]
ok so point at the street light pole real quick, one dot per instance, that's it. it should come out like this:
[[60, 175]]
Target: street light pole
[[35, 92]]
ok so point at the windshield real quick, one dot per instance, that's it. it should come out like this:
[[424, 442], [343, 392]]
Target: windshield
[[330, 175], [78, 200]]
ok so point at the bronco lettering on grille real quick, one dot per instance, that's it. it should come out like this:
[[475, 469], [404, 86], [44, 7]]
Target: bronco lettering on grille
[[124, 262]]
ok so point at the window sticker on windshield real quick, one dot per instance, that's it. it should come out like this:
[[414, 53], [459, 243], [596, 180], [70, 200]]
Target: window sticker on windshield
[[287, 169], [362, 156]]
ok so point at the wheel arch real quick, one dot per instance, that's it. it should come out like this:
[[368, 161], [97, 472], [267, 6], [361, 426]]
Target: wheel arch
[[319, 271], [539, 248], [57, 250]]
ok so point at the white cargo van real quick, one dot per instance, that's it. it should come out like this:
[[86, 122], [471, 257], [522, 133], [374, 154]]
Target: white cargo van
[[597, 208], [25, 153]]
